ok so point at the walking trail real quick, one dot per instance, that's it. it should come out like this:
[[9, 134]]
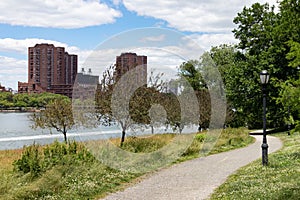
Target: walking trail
[[195, 179]]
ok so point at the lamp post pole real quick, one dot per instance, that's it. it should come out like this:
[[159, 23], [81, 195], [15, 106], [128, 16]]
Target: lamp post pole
[[264, 145], [264, 77]]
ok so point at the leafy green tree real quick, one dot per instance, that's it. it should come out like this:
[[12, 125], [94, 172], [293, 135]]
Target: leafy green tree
[[6, 100], [290, 89], [21, 100], [264, 40], [290, 100], [57, 114], [190, 71]]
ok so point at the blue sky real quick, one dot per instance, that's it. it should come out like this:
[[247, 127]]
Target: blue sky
[[81, 25]]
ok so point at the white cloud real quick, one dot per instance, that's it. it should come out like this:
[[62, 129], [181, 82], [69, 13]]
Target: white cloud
[[11, 71], [206, 41], [158, 38], [193, 15], [116, 2], [21, 45], [57, 13]]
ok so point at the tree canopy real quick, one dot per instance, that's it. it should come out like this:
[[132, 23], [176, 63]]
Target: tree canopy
[[9, 100], [57, 114], [267, 40]]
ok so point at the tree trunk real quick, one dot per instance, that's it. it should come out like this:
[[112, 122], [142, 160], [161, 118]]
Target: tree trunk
[[152, 129], [123, 137], [65, 135]]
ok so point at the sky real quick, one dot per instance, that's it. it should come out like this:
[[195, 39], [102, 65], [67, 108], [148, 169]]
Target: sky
[[167, 31]]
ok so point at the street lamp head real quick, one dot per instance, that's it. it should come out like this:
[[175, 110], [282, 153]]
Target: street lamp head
[[264, 77]]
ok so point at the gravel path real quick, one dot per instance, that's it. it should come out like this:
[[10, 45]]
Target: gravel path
[[195, 179]]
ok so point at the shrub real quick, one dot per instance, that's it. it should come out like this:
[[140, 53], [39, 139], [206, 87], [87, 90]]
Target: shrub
[[31, 160], [36, 159]]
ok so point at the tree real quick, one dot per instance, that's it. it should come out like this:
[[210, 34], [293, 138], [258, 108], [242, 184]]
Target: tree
[[21, 100], [126, 102], [57, 115], [190, 72], [290, 89], [290, 100], [264, 43], [6, 100]]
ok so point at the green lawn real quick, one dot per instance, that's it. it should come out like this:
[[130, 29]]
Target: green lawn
[[280, 180]]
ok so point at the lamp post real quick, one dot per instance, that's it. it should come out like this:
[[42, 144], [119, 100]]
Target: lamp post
[[264, 78]]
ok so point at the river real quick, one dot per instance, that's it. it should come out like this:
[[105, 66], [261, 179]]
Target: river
[[15, 132]]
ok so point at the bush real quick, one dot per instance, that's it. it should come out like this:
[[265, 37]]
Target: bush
[[36, 159], [31, 160]]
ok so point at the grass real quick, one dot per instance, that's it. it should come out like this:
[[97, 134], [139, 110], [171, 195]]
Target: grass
[[279, 180], [145, 144], [71, 177]]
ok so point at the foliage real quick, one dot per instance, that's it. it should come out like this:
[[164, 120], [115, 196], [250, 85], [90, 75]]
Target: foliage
[[189, 71], [6, 100], [9, 100], [30, 160], [36, 159], [212, 72], [57, 114], [279, 180], [290, 100], [267, 40], [128, 101]]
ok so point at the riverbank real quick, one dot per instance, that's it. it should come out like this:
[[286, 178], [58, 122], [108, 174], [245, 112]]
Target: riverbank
[[20, 110]]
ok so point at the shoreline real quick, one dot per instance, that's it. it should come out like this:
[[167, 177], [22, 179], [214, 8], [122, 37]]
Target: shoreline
[[20, 110]]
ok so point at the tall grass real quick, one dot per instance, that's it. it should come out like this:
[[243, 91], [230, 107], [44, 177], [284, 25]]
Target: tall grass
[[279, 180], [67, 171], [145, 144]]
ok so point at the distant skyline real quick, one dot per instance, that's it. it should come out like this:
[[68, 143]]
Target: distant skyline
[[81, 25]]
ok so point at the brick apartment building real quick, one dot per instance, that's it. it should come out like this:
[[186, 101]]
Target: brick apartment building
[[127, 61], [50, 69]]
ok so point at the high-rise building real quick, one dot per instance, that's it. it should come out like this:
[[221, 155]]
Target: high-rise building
[[127, 61], [50, 69]]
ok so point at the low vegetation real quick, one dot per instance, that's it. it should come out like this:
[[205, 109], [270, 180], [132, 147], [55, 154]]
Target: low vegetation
[[279, 180], [69, 171]]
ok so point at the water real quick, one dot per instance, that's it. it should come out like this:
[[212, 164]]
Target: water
[[15, 132]]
